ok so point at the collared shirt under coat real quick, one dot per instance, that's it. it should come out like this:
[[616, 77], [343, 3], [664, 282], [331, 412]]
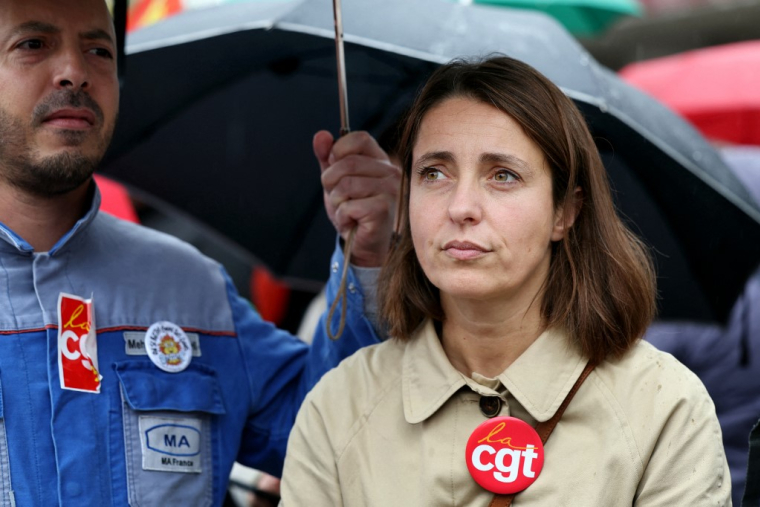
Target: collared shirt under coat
[[389, 427]]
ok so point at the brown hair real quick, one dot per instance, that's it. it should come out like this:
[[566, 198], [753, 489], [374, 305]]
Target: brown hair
[[601, 285]]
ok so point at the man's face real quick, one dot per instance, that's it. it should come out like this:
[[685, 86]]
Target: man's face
[[59, 92]]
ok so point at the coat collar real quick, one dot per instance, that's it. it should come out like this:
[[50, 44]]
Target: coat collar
[[539, 379]]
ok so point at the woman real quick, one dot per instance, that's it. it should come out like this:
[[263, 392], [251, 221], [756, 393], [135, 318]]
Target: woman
[[513, 287]]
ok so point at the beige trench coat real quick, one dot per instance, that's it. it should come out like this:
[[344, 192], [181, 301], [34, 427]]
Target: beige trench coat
[[389, 426]]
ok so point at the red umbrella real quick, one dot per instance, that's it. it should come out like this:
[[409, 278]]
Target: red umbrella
[[115, 200], [717, 89]]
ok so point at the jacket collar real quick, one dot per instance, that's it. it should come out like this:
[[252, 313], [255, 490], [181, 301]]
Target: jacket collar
[[539, 379], [12, 242]]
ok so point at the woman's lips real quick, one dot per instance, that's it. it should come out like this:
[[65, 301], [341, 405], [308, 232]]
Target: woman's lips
[[464, 250]]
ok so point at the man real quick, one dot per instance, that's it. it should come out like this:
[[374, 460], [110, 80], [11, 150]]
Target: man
[[130, 370]]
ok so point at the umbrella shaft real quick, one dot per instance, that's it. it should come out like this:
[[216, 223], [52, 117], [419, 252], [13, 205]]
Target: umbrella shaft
[[341, 60]]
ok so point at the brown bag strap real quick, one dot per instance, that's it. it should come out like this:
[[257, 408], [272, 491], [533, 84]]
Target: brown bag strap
[[545, 429]]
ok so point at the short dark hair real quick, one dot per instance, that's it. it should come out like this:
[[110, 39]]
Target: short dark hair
[[601, 285]]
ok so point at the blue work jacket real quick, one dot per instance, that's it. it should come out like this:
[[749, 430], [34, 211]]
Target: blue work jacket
[[149, 437]]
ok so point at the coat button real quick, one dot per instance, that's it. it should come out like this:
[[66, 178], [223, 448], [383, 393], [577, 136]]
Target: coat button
[[490, 406]]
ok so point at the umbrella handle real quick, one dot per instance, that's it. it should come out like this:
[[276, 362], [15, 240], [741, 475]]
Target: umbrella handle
[[341, 295]]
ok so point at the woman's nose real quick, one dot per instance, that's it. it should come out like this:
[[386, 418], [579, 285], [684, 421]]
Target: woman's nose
[[465, 206]]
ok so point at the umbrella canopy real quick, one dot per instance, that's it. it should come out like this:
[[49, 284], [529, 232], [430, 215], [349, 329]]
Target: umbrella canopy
[[146, 12], [745, 162], [219, 108], [583, 18], [717, 89]]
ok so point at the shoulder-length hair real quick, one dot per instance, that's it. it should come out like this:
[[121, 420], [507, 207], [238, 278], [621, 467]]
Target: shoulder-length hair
[[601, 285]]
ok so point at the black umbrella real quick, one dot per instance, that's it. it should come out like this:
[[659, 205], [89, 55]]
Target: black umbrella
[[219, 107]]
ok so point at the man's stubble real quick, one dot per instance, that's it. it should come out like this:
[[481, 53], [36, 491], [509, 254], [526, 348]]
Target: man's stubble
[[24, 168]]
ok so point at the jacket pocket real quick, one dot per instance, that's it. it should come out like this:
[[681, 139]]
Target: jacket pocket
[[6, 491], [169, 434]]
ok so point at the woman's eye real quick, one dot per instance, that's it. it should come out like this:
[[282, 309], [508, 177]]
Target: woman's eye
[[504, 177], [432, 174]]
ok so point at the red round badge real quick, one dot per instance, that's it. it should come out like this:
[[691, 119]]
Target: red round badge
[[504, 455]]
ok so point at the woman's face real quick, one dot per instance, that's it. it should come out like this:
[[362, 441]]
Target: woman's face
[[480, 207]]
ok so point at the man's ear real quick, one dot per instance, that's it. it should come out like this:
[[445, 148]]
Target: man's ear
[[565, 216]]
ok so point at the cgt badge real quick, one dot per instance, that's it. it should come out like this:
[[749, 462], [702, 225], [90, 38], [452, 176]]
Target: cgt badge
[[505, 455], [77, 344], [168, 346]]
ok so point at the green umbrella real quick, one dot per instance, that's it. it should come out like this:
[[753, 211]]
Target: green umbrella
[[583, 18]]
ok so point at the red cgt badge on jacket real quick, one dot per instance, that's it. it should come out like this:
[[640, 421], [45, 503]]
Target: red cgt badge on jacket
[[77, 344], [504, 455]]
